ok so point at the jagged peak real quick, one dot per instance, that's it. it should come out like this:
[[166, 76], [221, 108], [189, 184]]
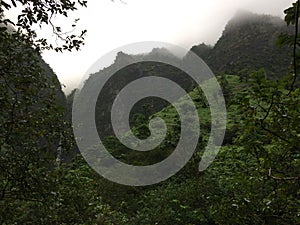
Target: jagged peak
[[160, 52], [244, 17], [121, 56]]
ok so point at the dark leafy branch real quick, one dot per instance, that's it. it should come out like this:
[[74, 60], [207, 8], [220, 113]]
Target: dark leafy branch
[[295, 47], [262, 122], [42, 13]]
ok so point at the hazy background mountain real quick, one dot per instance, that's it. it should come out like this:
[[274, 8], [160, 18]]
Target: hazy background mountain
[[248, 44]]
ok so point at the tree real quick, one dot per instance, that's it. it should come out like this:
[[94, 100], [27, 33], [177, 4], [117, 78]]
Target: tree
[[42, 13], [270, 136], [33, 187]]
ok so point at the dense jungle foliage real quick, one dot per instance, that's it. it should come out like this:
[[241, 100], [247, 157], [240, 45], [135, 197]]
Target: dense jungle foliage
[[255, 178]]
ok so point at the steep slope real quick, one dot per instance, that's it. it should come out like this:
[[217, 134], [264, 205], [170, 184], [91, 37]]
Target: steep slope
[[31, 99], [248, 44], [128, 74], [202, 50]]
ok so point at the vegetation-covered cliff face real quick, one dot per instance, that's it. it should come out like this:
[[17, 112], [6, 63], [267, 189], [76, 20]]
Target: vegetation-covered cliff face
[[128, 74], [52, 78], [202, 50], [32, 108], [28, 84], [248, 44], [34, 187], [13, 44]]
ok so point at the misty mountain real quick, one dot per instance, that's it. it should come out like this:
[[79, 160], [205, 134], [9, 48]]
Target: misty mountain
[[130, 73], [248, 43]]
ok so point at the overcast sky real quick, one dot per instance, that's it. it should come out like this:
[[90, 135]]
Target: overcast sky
[[181, 22]]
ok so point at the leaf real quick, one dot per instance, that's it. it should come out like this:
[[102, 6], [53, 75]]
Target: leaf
[[14, 3], [7, 6]]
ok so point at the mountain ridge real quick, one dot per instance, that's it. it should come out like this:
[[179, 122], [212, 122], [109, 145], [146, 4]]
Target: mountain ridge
[[247, 44]]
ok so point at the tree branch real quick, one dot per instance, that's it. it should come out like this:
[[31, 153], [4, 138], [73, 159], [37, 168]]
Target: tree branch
[[282, 178], [295, 48], [266, 116]]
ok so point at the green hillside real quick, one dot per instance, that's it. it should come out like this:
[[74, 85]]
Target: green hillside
[[254, 178], [237, 187]]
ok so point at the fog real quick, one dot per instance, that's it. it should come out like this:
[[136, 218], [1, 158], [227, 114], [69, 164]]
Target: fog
[[180, 22]]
